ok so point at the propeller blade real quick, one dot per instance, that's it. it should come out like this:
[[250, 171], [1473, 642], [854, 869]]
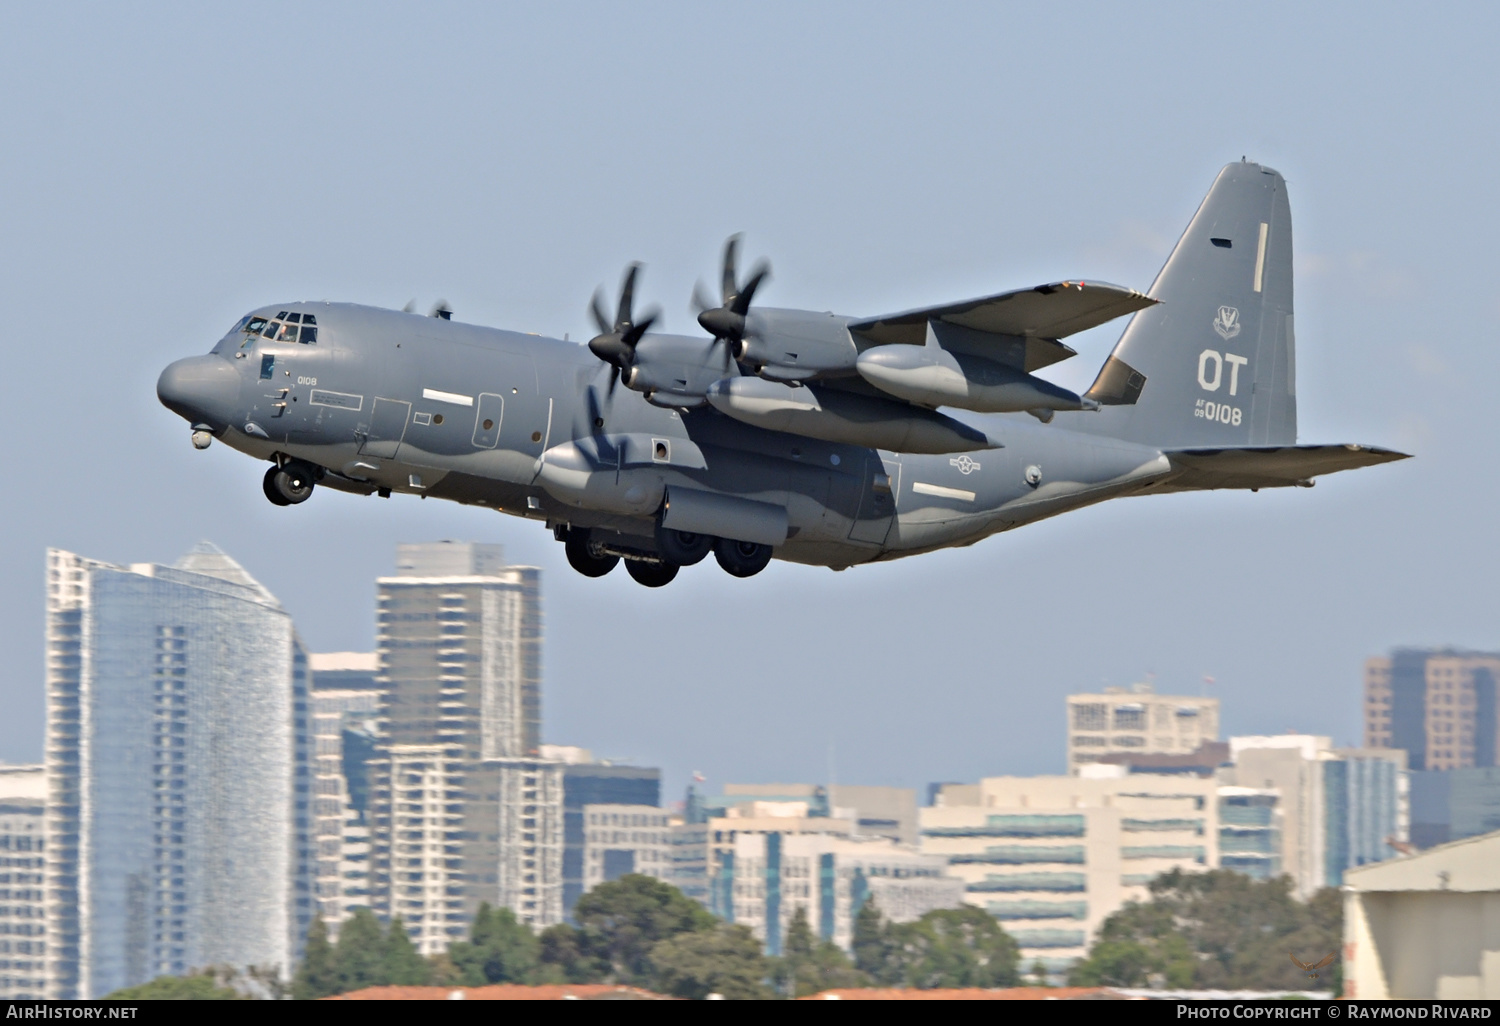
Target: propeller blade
[[441, 310], [729, 289], [601, 319], [701, 302], [633, 333], [627, 299], [742, 301], [410, 307]]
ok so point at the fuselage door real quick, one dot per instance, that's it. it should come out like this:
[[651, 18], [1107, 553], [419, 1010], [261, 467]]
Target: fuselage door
[[877, 501], [487, 420], [388, 420]]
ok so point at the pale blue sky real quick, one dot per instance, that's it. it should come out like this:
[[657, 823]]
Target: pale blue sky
[[166, 168]]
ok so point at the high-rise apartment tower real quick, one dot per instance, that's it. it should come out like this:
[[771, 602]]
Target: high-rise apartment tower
[[1437, 704]]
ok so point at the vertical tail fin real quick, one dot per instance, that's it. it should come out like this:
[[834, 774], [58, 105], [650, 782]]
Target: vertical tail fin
[[1215, 363]]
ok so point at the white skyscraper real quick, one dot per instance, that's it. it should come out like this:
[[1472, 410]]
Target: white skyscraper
[[23, 913], [178, 765], [461, 809]]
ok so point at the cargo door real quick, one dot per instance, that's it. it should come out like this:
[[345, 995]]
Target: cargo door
[[388, 419]]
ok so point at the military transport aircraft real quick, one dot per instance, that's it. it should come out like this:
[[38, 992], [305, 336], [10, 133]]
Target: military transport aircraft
[[804, 435]]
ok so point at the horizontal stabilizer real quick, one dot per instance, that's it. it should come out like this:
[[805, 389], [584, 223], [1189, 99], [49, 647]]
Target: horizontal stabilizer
[[1042, 315], [1271, 467]]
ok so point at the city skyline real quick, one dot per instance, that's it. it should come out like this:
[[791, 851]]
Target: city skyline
[[1277, 595]]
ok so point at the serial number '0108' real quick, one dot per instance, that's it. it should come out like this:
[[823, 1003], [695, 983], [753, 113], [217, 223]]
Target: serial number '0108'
[[1221, 412], [307, 381]]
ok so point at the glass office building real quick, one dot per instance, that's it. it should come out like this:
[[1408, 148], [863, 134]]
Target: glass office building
[[178, 767]]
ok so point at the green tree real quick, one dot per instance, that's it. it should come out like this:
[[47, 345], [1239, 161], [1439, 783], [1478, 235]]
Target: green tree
[[564, 957], [809, 966], [872, 947], [956, 947], [317, 976], [1039, 974], [500, 949], [622, 920], [724, 959], [360, 952], [201, 986], [401, 964], [1215, 930]]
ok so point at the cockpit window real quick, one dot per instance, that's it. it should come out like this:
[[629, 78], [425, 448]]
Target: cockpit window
[[286, 328], [252, 325]]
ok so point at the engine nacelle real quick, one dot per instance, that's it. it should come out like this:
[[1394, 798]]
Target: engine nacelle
[[616, 473], [794, 345], [677, 366]]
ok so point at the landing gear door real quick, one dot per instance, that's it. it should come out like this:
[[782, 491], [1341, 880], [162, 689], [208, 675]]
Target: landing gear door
[[387, 427], [877, 501]]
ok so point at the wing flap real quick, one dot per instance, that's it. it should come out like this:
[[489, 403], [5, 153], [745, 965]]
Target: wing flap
[[1269, 467], [1039, 315]]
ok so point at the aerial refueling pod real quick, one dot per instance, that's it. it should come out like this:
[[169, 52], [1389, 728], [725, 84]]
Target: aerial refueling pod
[[837, 416], [933, 376]]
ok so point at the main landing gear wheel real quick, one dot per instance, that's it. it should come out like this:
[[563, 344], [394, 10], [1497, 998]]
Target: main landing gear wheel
[[586, 557], [741, 559], [683, 547], [652, 575], [288, 485]]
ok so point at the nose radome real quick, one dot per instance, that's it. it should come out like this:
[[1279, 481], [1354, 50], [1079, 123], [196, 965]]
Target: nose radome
[[200, 389]]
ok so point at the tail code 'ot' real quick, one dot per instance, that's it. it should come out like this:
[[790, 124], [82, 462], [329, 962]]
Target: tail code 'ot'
[[1215, 363]]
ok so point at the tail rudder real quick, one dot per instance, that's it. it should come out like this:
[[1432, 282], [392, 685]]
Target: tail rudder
[[1215, 363]]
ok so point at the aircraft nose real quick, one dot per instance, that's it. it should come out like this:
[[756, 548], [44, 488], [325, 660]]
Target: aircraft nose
[[200, 389]]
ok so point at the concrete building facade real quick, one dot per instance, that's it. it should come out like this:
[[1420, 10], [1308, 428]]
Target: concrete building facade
[[1427, 926], [829, 877], [340, 831], [179, 765], [1137, 721], [459, 636], [1053, 857], [621, 839], [23, 904], [587, 782], [1340, 808], [877, 811], [1438, 705]]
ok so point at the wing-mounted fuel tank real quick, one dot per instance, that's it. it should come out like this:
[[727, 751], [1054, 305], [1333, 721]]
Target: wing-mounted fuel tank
[[617, 473], [836, 415], [946, 371], [982, 354]]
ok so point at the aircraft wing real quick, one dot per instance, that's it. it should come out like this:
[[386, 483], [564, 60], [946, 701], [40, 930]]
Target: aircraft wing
[[1040, 315], [1271, 467]]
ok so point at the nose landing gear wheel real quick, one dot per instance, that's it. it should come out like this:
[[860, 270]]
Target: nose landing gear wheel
[[652, 575], [683, 547], [741, 559], [288, 485], [585, 557]]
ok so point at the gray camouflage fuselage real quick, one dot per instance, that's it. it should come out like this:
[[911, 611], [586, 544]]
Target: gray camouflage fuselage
[[392, 402]]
